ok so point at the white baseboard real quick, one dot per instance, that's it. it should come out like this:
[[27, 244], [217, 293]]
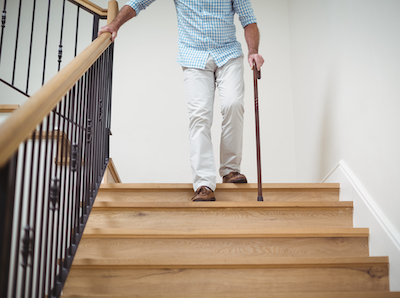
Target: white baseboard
[[384, 238]]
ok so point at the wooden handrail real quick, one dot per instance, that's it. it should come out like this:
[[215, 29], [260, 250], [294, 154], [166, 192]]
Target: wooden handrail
[[91, 7], [8, 108], [24, 120]]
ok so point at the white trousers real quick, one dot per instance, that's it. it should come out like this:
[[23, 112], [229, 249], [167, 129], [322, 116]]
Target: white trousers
[[200, 85]]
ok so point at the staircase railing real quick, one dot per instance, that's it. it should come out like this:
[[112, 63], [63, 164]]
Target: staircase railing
[[39, 37], [54, 150]]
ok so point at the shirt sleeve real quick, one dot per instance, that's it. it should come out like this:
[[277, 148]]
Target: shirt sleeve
[[139, 5], [244, 11]]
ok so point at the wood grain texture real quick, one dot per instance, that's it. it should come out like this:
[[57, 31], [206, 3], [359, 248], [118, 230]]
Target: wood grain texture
[[222, 218], [92, 7], [112, 11], [153, 192], [185, 282], [148, 250], [236, 233], [260, 261], [124, 206], [376, 294], [8, 108], [139, 244]]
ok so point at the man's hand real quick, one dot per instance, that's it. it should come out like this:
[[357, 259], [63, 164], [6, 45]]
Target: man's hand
[[109, 28], [252, 36], [125, 14], [258, 59]]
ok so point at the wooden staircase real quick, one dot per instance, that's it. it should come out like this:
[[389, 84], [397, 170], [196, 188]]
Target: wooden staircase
[[148, 240]]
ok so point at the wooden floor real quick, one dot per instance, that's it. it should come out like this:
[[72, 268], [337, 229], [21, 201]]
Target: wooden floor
[[149, 240]]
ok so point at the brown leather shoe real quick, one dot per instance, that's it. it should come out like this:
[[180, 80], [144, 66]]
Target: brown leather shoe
[[234, 177], [203, 194]]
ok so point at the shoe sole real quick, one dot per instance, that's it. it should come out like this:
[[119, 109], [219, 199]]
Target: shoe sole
[[208, 200], [238, 181]]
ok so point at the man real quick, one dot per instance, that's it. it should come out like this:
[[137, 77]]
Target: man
[[210, 57]]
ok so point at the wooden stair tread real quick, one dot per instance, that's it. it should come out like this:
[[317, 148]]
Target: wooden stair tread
[[183, 192], [256, 262], [377, 294], [149, 240], [220, 186], [299, 233], [221, 215], [193, 205], [222, 282]]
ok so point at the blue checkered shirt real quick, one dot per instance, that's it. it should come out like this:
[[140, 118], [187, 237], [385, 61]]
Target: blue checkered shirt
[[206, 27]]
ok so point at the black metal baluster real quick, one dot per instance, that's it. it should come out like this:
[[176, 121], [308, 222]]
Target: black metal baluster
[[96, 19], [98, 147], [95, 131], [46, 42], [19, 221], [54, 194], [75, 168], [66, 163], [84, 140], [110, 80], [3, 25], [97, 119], [74, 165], [7, 203], [40, 273], [60, 52], [59, 174], [102, 161], [35, 208], [46, 284], [16, 42], [89, 142], [54, 199], [102, 114], [76, 31], [27, 251], [30, 47]]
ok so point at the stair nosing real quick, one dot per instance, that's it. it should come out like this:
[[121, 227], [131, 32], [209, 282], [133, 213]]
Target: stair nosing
[[220, 186], [262, 233], [275, 262], [222, 205]]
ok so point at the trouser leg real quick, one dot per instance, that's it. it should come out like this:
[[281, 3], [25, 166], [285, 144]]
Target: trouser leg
[[229, 80], [199, 88]]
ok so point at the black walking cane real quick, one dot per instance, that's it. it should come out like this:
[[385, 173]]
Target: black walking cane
[[257, 76]]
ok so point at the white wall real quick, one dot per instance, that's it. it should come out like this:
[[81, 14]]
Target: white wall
[[8, 95], [333, 64], [150, 124], [346, 94]]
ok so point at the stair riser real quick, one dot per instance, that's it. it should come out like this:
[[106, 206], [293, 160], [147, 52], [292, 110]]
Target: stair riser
[[151, 250], [229, 218], [221, 195], [185, 282]]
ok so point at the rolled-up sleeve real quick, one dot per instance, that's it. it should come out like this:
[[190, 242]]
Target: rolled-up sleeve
[[245, 12], [139, 5]]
